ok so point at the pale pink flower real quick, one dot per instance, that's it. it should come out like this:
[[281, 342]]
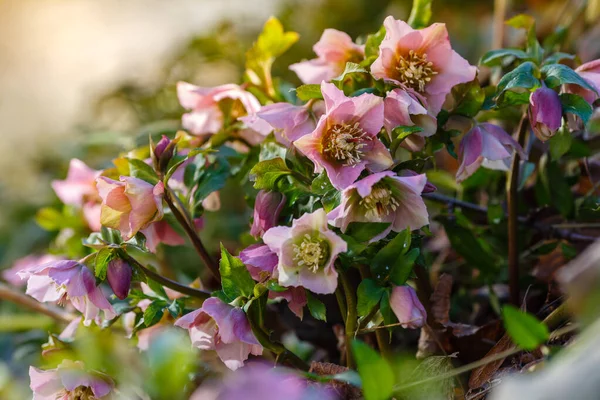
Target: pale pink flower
[[70, 280], [334, 50], [421, 59], [224, 328], [206, 117], [161, 232], [345, 141], [383, 197], [287, 121], [129, 204], [407, 307], [68, 381], [307, 251], [590, 71], [16, 274], [545, 113], [267, 207], [486, 145]]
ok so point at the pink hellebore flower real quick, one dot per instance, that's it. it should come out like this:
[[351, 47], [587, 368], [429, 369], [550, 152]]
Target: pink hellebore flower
[[545, 113], [422, 60], [334, 50], [267, 207], [129, 204], [69, 381], [408, 108], [345, 141], [488, 145], [383, 197], [224, 328], [16, 275], [206, 117], [261, 262], [307, 251], [407, 307], [57, 280], [287, 121], [590, 71], [161, 232]]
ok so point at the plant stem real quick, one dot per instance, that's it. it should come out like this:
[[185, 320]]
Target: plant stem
[[183, 289], [382, 336], [9, 294], [350, 317], [283, 355], [191, 233], [339, 296]]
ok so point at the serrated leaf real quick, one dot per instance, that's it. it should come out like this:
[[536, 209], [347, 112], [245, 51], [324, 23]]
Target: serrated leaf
[[560, 74], [309, 92], [403, 267], [376, 375], [154, 312], [235, 278], [495, 57], [575, 104], [139, 169], [316, 307], [365, 231], [266, 173], [520, 77], [525, 330], [368, 294]]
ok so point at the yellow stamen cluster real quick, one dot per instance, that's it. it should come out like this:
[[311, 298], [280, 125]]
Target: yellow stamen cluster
[[379, 202], [415, 71], [345, 142], [79, 393], [309, 253]]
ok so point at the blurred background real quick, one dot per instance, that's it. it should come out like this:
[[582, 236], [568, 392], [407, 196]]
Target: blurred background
[[91, 78]]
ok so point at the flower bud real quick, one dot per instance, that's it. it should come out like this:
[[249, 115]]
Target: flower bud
[[267, 208], [429, 187], [162, 153], [118, 275], [545, 113], [407, 307]]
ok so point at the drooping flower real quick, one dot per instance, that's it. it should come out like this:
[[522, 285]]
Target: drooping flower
[[161, 232], [206, 116], [334, 50], [422, 60], [590, 71], [79, 190], [224, 328], [408, 108], [118, 275], [69, 381], [486, 145], [261, 262], [306, 251], [287, 121], [383, 197], [129, 204], [345, 141], [15, 274], [267, 207], [407, 307], [545, 113], [70, 280]]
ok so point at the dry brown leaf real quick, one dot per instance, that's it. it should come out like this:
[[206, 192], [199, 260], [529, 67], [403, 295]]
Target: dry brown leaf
[[480, 376], [344, 390], [549, 264], [440, 299]]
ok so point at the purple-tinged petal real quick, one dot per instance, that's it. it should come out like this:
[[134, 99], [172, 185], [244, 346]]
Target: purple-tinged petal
[[407, 307]]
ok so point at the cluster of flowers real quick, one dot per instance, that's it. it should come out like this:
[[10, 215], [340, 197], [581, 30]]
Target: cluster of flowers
[[344, 136]]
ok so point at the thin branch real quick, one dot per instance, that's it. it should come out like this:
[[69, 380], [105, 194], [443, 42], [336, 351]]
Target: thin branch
[[9, 294], [351, 317]]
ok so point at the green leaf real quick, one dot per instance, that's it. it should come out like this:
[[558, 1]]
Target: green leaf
[[235, 278], [527, 22], [376, 375], [420, 14], [560, 143], [388, 256], [103, 257], [256, 308], [373, 42], [309, 92], [385, 309], [351, 68], [368, 296], [560, 74], [265, 174], [560, 191], [469, 246], [495, 57], [139, 169], [321, 184], [575, 104], [316, 307], [520, 77], [175, 309], [365, 231], [508, 98], [210, 179], [50, 219], [525, 330], [403, 267], [157, 288], [154, 312], [274, 286], [469, 98]]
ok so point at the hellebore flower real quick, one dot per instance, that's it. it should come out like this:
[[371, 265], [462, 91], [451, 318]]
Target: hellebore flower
[[16, 275], [267, 207], [261, 262], [345, 141], [334, 50], [287, 121], [306, 252], [486, 145], [224, 328], [162, 153], [422, 60], [407, 307], [118, 274], [161, 232], [206, 117], [545, 113], [68, 381], [383, 197], [71, 280], [129, 204], [590, 71], [408, 108]]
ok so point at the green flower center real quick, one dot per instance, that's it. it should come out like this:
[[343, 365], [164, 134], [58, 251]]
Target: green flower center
[[415, 71], [380, 201], [311, 252], [345, 143]]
